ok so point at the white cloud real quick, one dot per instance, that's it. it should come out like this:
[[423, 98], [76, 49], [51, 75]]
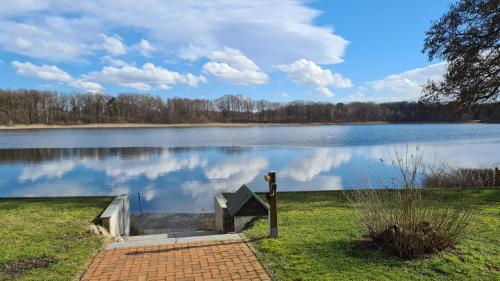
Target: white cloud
[[20, 6], [119, 73], [307, 72], [54, 39], [54, 73], [235, 58], [285, 95], [44, 72], [23, 43], [91, 87], [233, 66], [145, 48], [286, 29], [113, 45], [406, 85], [324, 92], [113, 61], [145, 78], [225, 72], [193, 80], [358, 95]]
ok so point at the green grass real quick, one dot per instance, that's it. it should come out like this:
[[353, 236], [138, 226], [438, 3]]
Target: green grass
[[318, 234], [31, 229]]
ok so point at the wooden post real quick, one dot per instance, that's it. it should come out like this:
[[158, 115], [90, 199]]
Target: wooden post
[[497, 178], [271, 197]]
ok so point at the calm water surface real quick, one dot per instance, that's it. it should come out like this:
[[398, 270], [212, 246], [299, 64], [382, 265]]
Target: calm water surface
[[179, 169]]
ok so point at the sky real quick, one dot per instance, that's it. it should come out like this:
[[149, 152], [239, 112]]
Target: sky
[[279, 50]]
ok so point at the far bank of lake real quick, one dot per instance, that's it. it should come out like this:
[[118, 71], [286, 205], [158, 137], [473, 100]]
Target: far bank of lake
[[179, 125], [195, 125]]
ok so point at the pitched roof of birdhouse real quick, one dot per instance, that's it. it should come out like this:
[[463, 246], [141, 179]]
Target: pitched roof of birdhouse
[[241, 198]]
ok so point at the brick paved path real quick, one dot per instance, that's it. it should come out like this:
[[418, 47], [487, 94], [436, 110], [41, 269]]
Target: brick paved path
[[208, 260]]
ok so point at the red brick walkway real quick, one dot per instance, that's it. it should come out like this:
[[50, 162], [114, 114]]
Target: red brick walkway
[[209, 260]]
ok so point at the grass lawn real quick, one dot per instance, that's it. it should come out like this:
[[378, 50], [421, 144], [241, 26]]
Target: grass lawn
[[318, 234], [46, 239]]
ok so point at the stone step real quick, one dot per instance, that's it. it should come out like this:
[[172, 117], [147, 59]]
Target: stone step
[[164, 239], [171, 235], [160, 223]]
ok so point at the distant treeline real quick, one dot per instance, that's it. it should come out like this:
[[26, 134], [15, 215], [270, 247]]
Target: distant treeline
[[38, 107]]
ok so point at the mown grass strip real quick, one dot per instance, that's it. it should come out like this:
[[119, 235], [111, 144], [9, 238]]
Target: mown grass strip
[[46, 239]]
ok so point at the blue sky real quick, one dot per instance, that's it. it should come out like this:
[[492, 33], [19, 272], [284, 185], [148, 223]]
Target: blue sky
[[337, 51]]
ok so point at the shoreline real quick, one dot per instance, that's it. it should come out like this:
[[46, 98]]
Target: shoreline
[[188, 125], [148, 125]]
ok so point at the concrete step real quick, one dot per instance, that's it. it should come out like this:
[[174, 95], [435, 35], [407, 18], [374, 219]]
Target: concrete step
[[171, 231], [164, 239], [160, 223], [171, 235]]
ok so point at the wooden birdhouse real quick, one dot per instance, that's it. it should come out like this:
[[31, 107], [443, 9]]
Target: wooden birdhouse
[[235, 213]]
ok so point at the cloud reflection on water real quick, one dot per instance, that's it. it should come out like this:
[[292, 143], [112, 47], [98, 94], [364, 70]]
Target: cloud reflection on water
[[227, 176], [62, 188], [48, 170], [457, 154], [150, 167], [181, 179], [319, 160]]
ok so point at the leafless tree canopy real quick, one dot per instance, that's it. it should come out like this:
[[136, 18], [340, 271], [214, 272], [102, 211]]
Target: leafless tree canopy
[[37, 107], [468, 38]]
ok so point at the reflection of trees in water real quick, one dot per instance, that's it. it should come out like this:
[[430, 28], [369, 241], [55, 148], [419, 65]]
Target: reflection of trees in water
[[220, 149], [37, 155]]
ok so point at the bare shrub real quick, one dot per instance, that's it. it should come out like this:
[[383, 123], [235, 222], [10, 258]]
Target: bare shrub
[[448, 177], [404, 222]]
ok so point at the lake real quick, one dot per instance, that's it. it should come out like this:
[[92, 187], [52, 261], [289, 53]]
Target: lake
[[179, 169]]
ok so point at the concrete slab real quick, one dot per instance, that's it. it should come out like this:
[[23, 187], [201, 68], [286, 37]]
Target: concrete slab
[[143, 243], [218, 237], [192, 234], [148, 237]]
